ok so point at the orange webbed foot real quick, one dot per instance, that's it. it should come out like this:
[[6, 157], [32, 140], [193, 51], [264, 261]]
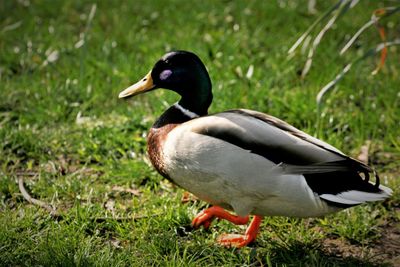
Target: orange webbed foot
[[237, 240], [206, 217]]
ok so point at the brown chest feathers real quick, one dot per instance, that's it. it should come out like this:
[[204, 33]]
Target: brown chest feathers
[[155, 142]]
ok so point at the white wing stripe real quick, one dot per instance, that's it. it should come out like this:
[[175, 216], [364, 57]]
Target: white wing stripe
[[338, 199], [354, 197]]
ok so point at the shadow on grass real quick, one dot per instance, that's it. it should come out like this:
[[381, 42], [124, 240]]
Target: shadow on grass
[[301, 254], [199, 248]]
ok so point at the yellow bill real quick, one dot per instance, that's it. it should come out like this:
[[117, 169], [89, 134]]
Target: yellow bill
[[144, 85]]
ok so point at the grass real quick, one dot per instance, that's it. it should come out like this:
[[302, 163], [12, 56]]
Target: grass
[[82, 150]]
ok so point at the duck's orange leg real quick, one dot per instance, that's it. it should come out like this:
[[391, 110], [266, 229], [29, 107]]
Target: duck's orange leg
[[235, 240], [206, 217]]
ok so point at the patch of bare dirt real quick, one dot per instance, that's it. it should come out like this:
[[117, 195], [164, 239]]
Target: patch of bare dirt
[[389, 243], [386, 250]]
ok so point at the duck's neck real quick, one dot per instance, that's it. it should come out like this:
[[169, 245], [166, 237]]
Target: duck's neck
[[196, 91], [176, 114], [189, 107], [196, 101]]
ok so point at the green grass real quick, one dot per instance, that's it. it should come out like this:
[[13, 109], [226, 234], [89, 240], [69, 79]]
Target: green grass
[[63, 129]]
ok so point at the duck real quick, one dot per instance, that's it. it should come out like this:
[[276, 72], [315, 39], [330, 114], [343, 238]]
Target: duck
[[244, 163]]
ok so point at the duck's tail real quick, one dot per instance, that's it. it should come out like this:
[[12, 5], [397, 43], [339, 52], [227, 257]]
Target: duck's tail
[[346, 188], [356, 197], [342, 183]]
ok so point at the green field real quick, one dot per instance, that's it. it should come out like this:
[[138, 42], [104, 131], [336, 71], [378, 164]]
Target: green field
[[78, 148]]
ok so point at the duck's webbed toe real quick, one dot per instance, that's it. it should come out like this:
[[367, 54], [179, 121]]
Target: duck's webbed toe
[[206, 217], [238, 240]]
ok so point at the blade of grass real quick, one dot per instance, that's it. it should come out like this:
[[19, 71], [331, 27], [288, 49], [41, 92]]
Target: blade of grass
[[12, 27], [377, 15], [380, 13], [332, 83], [307, 32], [53, 212], [83, 39], [356, 35], [383, 52], [346, 5], [347, 68]]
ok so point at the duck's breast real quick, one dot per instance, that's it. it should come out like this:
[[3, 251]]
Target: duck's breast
[[155, 143]]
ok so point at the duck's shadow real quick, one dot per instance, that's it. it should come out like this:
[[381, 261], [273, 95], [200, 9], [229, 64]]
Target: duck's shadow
[[268, 252], [298, 253]]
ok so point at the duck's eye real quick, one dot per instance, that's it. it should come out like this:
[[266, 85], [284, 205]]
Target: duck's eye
[[165, 74]]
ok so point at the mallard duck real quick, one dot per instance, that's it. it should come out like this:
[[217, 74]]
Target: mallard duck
[[245, 161]]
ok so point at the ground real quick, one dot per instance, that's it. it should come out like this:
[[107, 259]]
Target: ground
[[81, 152]]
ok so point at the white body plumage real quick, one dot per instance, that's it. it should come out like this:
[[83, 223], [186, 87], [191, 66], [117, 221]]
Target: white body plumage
[[225, 174]]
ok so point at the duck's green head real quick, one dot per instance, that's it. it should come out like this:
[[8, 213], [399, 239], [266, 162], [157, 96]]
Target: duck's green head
[[182, 72]]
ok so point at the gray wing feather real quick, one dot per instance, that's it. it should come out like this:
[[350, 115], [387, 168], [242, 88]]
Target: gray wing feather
[[276, 140]]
